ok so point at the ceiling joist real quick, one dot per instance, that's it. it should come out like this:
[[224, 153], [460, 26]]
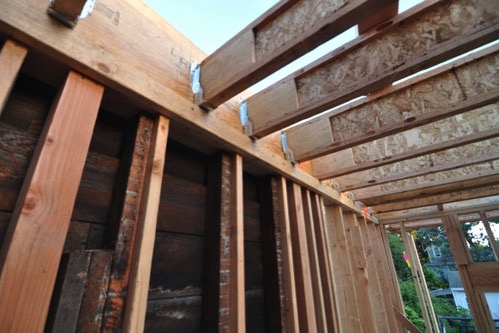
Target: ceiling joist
[[424, 36], [461, 86], [285, 32]]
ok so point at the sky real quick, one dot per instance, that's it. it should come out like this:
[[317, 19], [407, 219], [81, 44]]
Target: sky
[[211, 23]]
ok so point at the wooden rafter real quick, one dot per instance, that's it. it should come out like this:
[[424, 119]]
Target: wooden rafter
[[43, 210], [350, 72], [281, 35], [463, 85], [11, 59]]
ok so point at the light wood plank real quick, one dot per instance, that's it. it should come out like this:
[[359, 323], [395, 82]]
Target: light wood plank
[[351, 70], [281, 35], [345, 295], [484, 276], [304, 291], [11, 59], [460, 86], [135, 311], [406, 323], [43, 210], [492, 239]]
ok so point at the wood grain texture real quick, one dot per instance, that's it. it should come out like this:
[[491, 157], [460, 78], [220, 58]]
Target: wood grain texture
[[140, 272], [11, 59], [50, 186]]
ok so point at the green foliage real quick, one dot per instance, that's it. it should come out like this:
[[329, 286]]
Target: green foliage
[[397, 250]]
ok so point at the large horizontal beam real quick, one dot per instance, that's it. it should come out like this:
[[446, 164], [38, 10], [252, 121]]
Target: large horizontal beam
[[439, 199], [284, 33], [424, 36], [465, 129], [425, 187], [458, 87], [155, 76]]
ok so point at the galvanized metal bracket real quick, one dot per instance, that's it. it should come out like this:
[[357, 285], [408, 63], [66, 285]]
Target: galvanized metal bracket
[[197, 89], [288, 152], [245, 120], [67, 17]]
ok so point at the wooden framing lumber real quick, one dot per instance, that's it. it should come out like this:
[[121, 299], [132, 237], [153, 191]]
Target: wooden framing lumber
[[476, 299], [350, 72], [157, 80], [484, 178], [344, 290], [304, 291], [460, 86], [379, 18], [315, 272], [43, 210], [224, 302], [361, 279], [66, 12], [281, 35], [406, 323], [329, 166], [11, 59], [452, 154], [439, 199], [484, 276], [135, 310]]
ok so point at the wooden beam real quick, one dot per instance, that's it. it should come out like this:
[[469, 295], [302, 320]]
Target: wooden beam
[[380, 18], [224, 302], [484, 276], [156, 79], [43, 210], [441, 164], [490, 234], [135, 310], [361, 280], [331, 166], [304, 291], [11, 59], [406, 323], [484, 178], [324, 264], [476, 300], [315, 272], [281, 35], [279, 282], [344, 290], [441, 93], [439, 199], [351, 72]]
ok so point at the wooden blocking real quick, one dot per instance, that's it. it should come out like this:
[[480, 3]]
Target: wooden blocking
[[304, 291], [128, 200], [281, 35], [43, 210], [140, 273], [279, 281], [11, 59], [344, 289], [66, 11], [224, 299]]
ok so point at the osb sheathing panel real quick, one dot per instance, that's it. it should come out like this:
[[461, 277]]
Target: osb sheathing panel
[[397, 47], [417, 101], [296, 22], [481, 119]]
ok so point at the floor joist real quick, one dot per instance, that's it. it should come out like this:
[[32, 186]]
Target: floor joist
[[351, 72], [281, 35], [463, 85]]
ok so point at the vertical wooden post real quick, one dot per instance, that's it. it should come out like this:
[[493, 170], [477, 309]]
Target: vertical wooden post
[[490, 235], [11, 58], [416, 278], [224, 300], [280, 293], [345, 297], [324, 264], [462, 256], [32, 249], [358, 266], [315, 272], [136, 305], [304, 294], [127, 222]]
